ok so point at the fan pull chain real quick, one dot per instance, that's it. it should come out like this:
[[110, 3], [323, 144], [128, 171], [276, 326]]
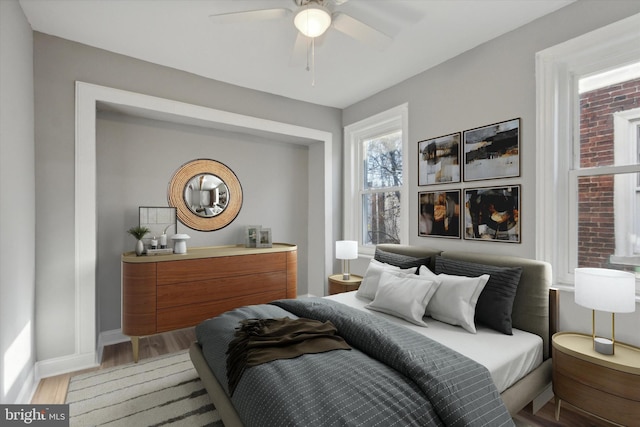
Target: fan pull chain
[[311, 60]]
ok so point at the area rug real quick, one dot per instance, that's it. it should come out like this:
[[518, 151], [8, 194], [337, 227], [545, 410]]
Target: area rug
[[161, 391]]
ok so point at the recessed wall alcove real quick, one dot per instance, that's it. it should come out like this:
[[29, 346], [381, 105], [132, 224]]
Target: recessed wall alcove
[[90, 98]]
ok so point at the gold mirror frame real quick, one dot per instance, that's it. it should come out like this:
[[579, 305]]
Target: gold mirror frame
[[179, 182]]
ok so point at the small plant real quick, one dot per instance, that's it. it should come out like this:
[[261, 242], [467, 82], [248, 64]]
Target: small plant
[[138, 232]]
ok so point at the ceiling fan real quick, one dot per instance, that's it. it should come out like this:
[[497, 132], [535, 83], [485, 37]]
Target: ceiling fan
[[313, 18]]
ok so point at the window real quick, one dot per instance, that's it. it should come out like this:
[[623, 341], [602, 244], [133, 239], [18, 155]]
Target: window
[[603, 176], [375, 201], [588, 165]]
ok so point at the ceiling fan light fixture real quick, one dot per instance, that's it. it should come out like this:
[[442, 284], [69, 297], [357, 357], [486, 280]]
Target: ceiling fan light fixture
[[312, 20]]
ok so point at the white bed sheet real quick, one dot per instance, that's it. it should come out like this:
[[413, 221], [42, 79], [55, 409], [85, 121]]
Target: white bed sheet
[[507, 357]]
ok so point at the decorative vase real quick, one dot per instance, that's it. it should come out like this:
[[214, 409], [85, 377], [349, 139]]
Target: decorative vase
[[139, 248], [180, 243]]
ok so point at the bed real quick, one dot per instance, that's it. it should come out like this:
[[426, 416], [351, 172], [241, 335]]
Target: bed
[[516, 362]]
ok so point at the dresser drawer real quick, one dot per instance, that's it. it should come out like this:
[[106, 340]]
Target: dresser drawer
[[184, 316], [192, 270], [220, 289]]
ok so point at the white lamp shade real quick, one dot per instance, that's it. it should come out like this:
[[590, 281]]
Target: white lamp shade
[[346, 249], [312, 20], [607, 290]]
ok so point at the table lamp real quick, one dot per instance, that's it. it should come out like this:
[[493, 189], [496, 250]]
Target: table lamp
[[605, 290], [346, 250]]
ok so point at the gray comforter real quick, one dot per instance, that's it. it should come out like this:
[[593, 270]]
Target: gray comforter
[[393, 376]]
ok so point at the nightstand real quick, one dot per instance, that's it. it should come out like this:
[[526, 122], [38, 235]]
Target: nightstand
[[338, 285], [605, 386]]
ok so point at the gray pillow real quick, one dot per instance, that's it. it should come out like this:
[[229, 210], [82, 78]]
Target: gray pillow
[[495, 303], [399, 260]]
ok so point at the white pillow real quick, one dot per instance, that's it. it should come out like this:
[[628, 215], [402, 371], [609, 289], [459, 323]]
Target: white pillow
[[403, 295], [371, 278], [455, 299]]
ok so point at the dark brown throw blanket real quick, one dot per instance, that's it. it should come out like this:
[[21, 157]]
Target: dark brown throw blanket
[[260, 341]]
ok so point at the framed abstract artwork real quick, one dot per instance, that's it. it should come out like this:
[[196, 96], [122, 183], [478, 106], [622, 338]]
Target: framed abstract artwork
[[439, 214], [492, 214], [439, 160], [492, 151]]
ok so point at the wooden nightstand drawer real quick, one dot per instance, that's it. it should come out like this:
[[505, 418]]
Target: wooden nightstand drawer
[[601, 378], [597, 402], [607, 386], [338, 285]]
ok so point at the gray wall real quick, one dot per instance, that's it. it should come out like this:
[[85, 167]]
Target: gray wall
[[58, 64], [492, 83], [17, 204], [136, 160]]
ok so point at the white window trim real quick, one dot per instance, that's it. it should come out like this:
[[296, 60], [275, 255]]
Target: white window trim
[[625, 128], [392, 119], [557, 71]]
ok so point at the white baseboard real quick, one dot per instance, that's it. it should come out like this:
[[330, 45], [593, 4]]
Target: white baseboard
[[75, 362], [106, 338], [28, 389], [65, 364]]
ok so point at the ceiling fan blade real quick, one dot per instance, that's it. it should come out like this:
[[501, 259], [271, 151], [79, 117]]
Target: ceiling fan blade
[[250, 16], [360, 31]]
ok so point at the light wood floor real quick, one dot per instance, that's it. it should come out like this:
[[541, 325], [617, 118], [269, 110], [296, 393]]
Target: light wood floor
[[53, 390]]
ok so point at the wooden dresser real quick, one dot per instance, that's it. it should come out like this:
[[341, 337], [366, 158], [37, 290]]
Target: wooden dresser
[[166, 292]]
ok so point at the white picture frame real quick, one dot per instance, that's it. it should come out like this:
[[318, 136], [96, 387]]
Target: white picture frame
[[251, 235], [264, 238]]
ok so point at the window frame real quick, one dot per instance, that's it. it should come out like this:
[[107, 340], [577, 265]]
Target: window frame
[[558, 70], [380, 124], [626, 127]]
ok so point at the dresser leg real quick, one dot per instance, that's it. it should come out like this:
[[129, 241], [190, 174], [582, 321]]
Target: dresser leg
[[558, 409], [135, 341]]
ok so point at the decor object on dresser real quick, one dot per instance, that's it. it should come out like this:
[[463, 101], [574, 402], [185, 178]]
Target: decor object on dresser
[[251, 233], [338, 284], [180, 243], [207, 194], [264, 238], [346, 250], [138, 232], [607, 290], [161, 222], [492, 151], [394, 338], [171, 292], [607, 386]]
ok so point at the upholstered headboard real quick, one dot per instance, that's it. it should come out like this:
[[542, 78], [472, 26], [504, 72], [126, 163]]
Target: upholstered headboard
[[531, 308]]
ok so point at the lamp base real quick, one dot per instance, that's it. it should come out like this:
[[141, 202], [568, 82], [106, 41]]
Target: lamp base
[[346, 276], [603, 346]]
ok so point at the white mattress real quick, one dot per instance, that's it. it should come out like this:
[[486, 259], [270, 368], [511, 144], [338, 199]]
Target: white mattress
[[507, 357]]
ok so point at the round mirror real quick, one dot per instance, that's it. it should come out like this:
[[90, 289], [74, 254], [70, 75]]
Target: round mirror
[[206, 194]]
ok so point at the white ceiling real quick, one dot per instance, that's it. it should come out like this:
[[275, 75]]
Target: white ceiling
[[258, 55]]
